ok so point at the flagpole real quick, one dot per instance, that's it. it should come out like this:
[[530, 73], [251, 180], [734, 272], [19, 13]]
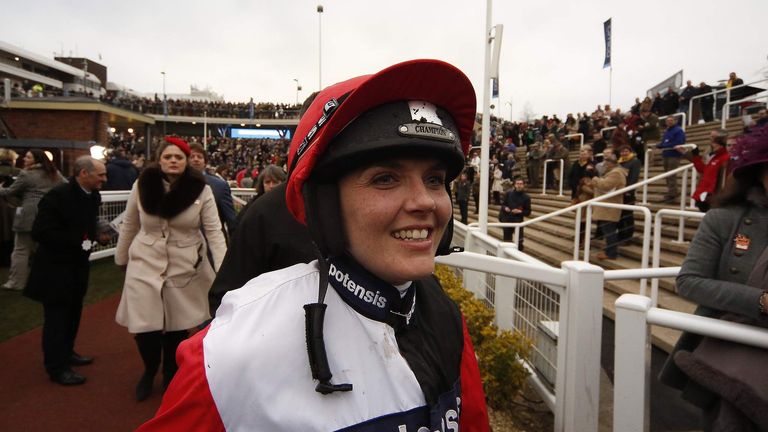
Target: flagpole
[[610, 86]]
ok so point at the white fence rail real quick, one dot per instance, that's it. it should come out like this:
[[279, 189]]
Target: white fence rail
[[634, 316], [560, 310]]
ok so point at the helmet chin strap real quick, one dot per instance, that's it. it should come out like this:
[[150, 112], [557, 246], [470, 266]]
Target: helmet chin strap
[[314, 314], [320, 201]]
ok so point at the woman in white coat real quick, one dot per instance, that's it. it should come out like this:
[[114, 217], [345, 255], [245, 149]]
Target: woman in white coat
[[168, 274]]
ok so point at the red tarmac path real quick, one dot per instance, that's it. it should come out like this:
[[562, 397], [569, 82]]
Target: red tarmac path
[[29, 402]]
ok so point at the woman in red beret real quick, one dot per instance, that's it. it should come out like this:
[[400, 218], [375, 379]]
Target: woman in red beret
[[168, 274]]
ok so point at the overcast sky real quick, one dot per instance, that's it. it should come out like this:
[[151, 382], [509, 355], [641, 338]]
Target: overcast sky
[[551, 57]]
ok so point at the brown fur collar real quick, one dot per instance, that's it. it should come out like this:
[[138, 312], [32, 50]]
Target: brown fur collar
[[156, 201]]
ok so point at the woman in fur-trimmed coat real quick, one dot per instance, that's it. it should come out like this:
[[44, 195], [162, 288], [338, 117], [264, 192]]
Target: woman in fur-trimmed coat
[[168, 274]]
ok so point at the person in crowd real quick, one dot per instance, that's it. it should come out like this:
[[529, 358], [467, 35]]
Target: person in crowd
[[615, 177], [584, 167], [476, 191], [462, 188], [8, 174], [619, 137], [66, 229], [534, 160], [222, 193], [598, 145], [508, 166], [629, 161], [657, 106], [673, 137], [247, 181], [712, 169], [515, 207], [38, 177], [557, 153], [736, 93], [762, 118], [725, 272], [670, 101], [269, 178], [138, 161], [496, 187], [168, 274], [398, 182], [688, 92], [648, 128], [600, 167], [706, 103], [121, 173]]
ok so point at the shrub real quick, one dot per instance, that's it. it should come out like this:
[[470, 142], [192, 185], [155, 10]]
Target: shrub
[[498, 352]]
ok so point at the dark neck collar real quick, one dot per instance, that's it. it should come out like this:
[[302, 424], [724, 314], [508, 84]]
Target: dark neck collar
[[369, 295]]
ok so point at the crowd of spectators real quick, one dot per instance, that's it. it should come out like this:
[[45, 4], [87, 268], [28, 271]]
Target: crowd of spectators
[[193, 108], [229, 158]]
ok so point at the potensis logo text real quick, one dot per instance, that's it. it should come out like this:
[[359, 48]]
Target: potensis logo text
[[358, 290]]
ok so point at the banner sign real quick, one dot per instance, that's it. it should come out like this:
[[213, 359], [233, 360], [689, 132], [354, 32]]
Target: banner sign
[[607, 30]]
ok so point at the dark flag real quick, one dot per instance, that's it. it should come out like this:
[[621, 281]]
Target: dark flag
[[250, 109], [495, 91], [607, 30]]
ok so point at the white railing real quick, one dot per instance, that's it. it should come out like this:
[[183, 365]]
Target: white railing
[[715, 92], [559, 309], [634, 316], [581, 138], [646, 233], [577, 207], [657, 228], [683, 192], [726, 111], [678, 114], [112, 206], [241, 196], [562, 173]]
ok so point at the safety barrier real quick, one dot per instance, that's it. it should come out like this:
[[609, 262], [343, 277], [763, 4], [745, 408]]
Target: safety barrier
[[727, 92], [634, 316], [561, 174], [560, 310]]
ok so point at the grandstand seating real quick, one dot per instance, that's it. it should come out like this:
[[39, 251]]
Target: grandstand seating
[[552, 240]]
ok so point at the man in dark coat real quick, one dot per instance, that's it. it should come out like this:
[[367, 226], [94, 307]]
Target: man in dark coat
[[267, 238], [198, 158], [706, 102], [66, 231], [516, 205], [120, 172]]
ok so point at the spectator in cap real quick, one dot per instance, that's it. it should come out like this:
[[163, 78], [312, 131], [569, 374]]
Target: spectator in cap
[[222, 194]]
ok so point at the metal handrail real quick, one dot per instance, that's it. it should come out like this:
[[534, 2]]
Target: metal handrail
[[713, 93], [646, 233], [607, 129], [678, 114], [657, 243], [581, 138], [562, 169], [726, 113], [632, 378], [579, 206], [647, 165]]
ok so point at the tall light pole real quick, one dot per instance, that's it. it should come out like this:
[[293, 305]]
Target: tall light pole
[[298, 89], [319, 47], [165, 105]]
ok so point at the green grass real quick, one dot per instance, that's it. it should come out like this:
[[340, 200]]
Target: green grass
[[19, 314]]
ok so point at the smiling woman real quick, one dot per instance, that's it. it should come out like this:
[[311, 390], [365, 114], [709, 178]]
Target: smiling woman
[[369, 167]]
